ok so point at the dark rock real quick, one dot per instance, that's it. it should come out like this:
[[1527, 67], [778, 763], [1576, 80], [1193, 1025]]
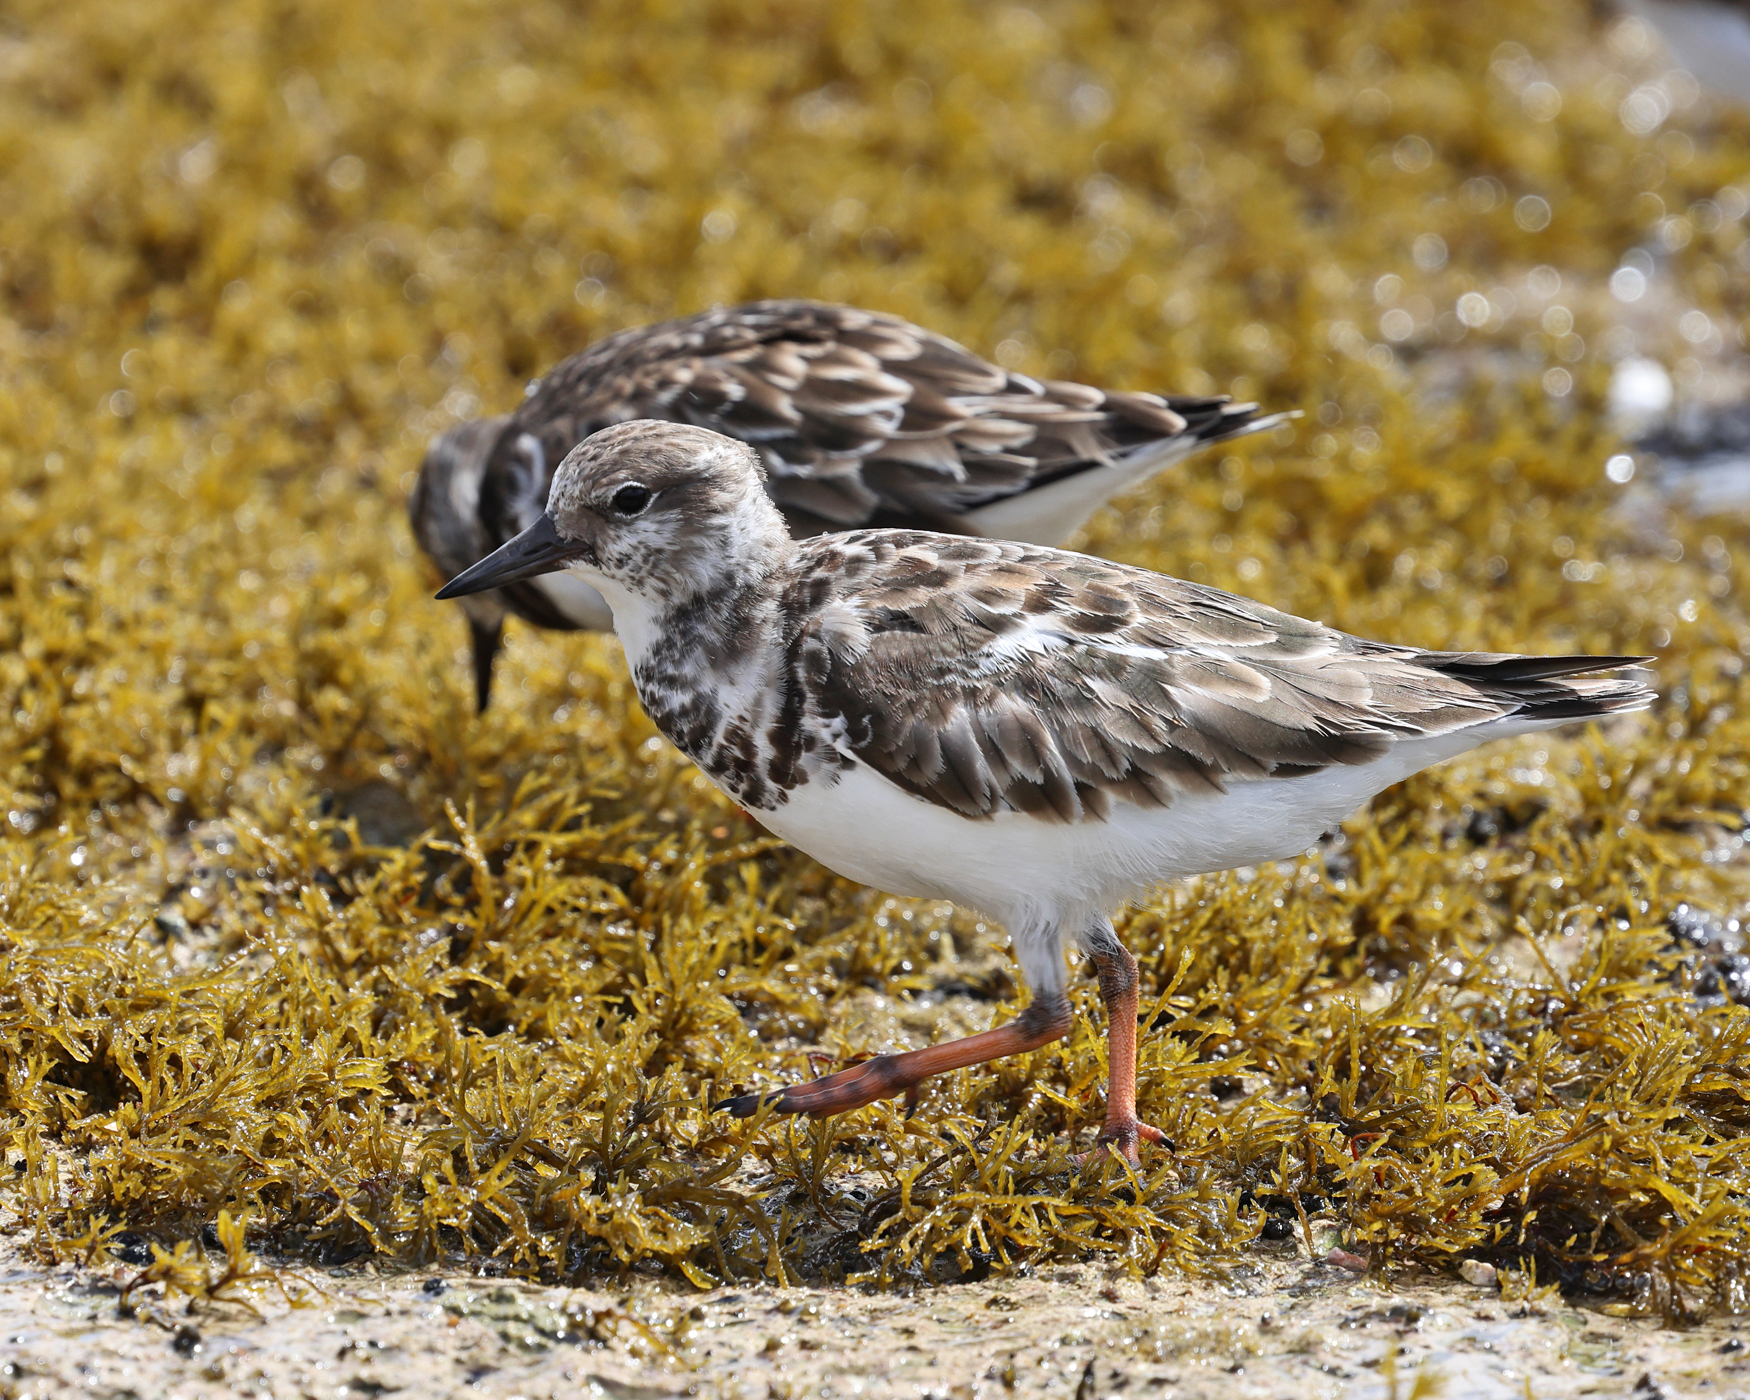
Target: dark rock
[[1694, 927], [1483, 827], [384, 815], [1733, 972]]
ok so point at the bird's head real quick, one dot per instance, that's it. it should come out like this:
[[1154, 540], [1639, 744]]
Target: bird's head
[[661, 512], [444, 506]]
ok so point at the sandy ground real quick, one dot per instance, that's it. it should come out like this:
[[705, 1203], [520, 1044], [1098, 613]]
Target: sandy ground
[[1278, 1327]]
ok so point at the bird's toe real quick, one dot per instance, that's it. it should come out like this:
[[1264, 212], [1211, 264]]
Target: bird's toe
[[742, 1105], [1124, 1140]]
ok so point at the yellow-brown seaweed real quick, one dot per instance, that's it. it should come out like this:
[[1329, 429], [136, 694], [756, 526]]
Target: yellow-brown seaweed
[[290, 942]]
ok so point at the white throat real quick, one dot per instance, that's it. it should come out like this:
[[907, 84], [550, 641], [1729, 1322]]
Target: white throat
[[637, 622]]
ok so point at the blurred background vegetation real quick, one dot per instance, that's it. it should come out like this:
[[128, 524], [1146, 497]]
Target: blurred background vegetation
[[286, 931]]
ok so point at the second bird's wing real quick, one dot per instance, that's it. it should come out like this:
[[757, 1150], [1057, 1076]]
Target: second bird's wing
[[856, 412]]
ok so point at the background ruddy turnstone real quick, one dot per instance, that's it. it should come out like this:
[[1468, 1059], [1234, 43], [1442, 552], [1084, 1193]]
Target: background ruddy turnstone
[[1034, 733], [860, 418]]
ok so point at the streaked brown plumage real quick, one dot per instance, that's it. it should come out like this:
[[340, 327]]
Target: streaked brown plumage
[[990, 677]]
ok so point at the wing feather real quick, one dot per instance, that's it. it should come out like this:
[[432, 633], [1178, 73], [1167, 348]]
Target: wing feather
[[991, 677], [924, 426]]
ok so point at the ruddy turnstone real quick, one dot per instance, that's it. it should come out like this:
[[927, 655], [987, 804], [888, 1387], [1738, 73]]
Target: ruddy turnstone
[[859, 417], [1036, 734]]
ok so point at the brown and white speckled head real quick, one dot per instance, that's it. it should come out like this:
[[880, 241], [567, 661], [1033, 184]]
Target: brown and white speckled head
[[658, 512]]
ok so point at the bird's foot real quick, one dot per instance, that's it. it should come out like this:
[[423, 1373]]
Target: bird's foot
[[1122, 1139], [881, 1077]]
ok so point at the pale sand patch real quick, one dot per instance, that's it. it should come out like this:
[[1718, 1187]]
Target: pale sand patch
[[1282, 1328]]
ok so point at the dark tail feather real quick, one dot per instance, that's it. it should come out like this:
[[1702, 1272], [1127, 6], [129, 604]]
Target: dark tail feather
[[1496, 667], [1615, 697], [1552, 687], [1215, 420]]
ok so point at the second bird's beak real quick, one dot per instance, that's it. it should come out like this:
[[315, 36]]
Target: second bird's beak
[[538, 550]]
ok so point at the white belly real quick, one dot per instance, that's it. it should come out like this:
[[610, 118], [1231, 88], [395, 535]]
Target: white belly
[[1021, 870]]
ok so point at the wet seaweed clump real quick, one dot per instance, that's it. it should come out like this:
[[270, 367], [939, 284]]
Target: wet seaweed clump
[[300, 959]]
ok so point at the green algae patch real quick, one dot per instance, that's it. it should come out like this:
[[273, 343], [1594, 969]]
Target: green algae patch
[[299, 960]]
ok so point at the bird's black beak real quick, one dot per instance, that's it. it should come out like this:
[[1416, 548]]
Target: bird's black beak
[[538, 550]]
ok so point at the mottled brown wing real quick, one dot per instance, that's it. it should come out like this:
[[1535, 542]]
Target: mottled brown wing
[[854, 411], [992, 677]]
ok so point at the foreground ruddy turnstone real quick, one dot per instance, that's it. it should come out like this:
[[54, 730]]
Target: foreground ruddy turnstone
[[859, 417], [1036, 734]]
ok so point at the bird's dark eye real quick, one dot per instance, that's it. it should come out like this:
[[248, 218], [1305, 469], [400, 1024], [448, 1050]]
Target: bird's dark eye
[[630, 500]]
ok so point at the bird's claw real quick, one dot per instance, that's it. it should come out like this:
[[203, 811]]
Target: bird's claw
[[1123, 1140], [745, 1105], [861, 1083]]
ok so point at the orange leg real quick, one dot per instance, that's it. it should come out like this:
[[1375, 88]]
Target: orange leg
[[1117, 972], [886, 1075]]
